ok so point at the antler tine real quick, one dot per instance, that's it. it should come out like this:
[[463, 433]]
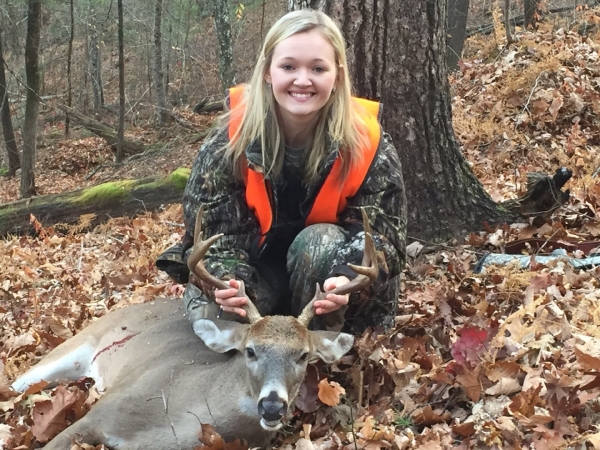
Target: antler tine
[[367, 274], [197, 268]]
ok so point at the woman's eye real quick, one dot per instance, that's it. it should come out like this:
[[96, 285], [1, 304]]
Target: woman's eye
[[250, 353], [319, 69], [287, 67]]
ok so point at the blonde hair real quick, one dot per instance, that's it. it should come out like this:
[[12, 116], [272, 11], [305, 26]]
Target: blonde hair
[[337, 122]]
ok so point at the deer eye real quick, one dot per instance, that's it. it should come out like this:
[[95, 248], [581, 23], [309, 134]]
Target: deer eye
[[303, 357], [250, 353]]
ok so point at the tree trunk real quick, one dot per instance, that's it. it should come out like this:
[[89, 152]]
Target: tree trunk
[[32, 103], [509, 36], [532, 13], [159, 76], [69, 63], [295, 5], [458, 11], [96, 64], [14, 160], [396, 52], [121, 130], [113, 199], [223, 28]]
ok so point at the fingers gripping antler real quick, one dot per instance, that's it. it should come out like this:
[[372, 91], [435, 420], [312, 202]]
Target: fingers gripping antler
[[196, 266], [367, 274]]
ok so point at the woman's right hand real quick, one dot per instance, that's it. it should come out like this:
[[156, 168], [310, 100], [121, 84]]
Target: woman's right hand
[[228, 300]]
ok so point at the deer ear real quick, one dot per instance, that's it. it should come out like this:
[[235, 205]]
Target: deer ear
[[221, 335], [330, 346]]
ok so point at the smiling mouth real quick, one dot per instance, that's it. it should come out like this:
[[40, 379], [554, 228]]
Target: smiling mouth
[[305, 96], [270, 425]]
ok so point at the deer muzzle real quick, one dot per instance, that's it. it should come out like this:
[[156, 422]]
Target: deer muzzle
[[272, 409]]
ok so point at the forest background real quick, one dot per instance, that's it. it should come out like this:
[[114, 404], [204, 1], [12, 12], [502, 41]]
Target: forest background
[[507, 358]]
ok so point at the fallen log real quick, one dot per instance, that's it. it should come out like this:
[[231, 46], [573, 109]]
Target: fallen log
[[96, 204], [205, 106], [109, 134], [542, 197]]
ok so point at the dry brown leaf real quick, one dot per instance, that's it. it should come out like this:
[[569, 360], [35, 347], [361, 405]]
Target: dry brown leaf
[[211, 440], [427, 416], [58, 328], [557, 103], [504, 386], [36, 388], [587, 361], [330, 391], [49, 417]]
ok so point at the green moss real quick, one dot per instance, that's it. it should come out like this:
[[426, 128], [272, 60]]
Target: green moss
[[103, 193], [179, 178], [4, 171]]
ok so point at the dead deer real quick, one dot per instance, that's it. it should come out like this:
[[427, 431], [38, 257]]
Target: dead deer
[[161, 382]]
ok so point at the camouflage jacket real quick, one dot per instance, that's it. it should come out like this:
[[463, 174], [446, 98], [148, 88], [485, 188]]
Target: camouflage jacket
[[213, 186]]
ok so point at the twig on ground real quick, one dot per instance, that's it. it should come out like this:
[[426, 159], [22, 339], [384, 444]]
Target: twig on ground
[[526, 107]]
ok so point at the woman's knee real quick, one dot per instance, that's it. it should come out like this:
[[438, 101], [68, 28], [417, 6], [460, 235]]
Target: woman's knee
[[323, 236]]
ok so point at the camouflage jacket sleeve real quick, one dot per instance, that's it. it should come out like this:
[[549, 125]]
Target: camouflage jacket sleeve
[[382, 196], [213, 185]]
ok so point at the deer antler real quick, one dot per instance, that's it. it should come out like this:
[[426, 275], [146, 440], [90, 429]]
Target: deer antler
[[196, 266], [367, 274]]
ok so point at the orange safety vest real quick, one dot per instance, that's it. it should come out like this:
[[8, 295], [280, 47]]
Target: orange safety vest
[[324, 208]]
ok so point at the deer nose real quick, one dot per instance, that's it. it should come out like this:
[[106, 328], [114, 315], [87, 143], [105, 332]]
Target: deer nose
[[272, 408]]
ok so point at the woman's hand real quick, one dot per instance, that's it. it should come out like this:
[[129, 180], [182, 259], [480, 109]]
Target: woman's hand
[[228, 300], [332, 302]]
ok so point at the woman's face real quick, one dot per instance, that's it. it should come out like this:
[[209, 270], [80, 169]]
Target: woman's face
[[303, 73]]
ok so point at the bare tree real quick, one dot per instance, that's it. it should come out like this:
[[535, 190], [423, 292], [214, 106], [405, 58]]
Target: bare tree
[[396, 56], [32, 102], [14, 160], [95, 60], [458, 11], [69, 63], [121, 129], [159, 76], [509, 36], [221, 15], [532, 12]]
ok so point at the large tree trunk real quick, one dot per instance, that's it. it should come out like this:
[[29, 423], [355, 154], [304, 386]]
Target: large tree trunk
[[159, 76], [532, 13], [100, 203], [14, 160], [458, 11], [121, 129], [223, 28], [397, 55], [32, 73]]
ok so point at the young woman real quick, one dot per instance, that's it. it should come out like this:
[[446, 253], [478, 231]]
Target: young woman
[[284, 178]]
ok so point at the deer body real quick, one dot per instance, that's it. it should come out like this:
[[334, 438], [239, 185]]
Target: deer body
[[162, 382]]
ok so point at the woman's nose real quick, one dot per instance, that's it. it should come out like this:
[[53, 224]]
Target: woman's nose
[[302, 78]]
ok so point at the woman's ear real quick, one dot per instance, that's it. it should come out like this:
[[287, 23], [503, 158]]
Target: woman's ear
[[268, 77]]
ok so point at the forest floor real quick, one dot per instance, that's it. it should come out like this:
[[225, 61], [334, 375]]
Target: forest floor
[[508, 358]]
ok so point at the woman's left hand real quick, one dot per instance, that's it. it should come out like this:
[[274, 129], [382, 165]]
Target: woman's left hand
[[332, 302]]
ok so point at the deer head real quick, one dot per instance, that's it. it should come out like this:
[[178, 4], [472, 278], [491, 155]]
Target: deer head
[[275, 368]]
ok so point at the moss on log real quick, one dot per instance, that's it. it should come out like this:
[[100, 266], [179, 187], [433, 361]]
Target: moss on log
[[112, 199]]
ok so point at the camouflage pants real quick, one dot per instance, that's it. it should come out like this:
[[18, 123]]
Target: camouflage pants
[[286, 287]]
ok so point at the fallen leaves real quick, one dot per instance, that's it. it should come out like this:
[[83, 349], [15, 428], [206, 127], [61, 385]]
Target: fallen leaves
[[52, 416], [330, 391]]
